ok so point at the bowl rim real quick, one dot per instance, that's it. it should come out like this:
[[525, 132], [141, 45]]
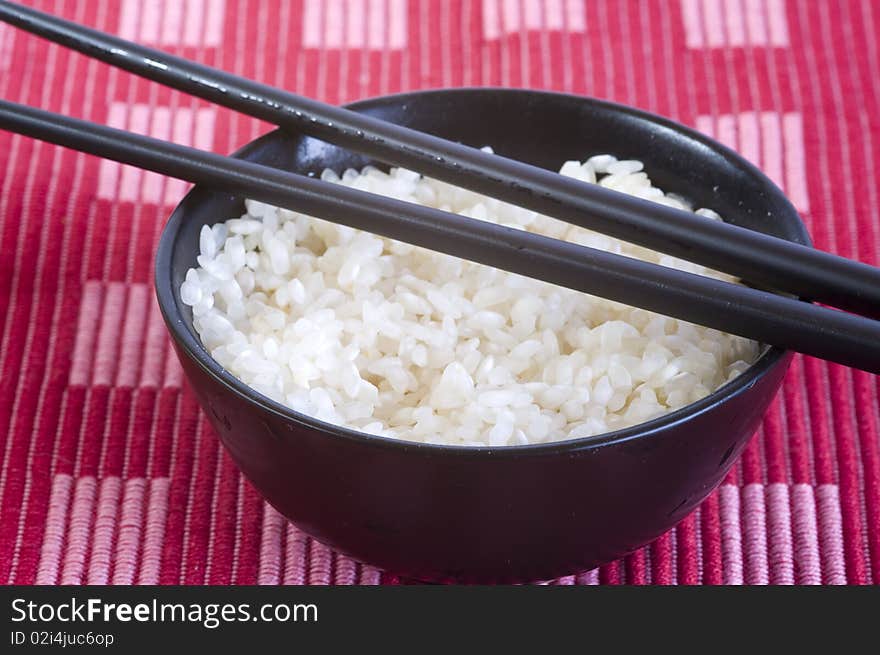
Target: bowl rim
[[190, 345]]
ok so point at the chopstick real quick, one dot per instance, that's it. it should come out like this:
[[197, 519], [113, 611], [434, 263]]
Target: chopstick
[[760, 315], [757, 258]]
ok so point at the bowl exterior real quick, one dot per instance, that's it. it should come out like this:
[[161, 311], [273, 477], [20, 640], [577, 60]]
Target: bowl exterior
[[488, 515]]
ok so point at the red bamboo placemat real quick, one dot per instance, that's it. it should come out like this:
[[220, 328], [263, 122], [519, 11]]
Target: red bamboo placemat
[[108, 471]]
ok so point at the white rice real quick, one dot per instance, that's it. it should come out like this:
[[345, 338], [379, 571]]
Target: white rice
[[395, 340]]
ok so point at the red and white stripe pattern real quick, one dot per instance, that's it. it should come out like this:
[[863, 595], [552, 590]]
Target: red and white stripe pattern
[[99, 533], [6, 36], [773, 142], [95, 526], [502, 17], [355, 24], [173, 22], [108, 470], [186, 126], [121, 340], [770, 534], [735, 23]]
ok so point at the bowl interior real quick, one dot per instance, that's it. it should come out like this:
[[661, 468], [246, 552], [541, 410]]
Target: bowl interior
[[544, 129]]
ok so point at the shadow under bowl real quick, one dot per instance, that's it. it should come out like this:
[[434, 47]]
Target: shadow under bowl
[[510, 514]]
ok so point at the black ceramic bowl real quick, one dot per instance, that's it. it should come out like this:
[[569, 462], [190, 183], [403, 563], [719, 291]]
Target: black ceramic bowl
[[489, 514]]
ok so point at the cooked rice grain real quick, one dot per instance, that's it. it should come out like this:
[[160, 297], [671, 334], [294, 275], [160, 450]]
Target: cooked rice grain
[[395, 340]]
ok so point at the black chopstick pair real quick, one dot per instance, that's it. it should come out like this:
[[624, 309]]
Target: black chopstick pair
[[762, 260], [772, 319]]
